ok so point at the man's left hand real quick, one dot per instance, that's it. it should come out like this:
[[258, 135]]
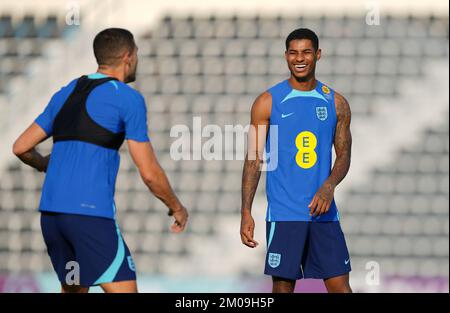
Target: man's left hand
[[322, 200]]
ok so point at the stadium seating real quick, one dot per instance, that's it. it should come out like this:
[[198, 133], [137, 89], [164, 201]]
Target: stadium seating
[[403, 214], [214, 68], [23, 40]]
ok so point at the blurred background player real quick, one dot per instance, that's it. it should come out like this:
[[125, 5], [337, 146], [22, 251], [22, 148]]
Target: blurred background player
[[89, 119], [304, 236]]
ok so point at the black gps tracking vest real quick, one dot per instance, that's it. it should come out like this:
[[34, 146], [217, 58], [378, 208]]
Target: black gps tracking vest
[[74, 123]]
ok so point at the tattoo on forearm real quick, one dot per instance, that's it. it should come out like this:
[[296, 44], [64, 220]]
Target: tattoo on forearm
[[326, 193], [342, 143], [250, 179]]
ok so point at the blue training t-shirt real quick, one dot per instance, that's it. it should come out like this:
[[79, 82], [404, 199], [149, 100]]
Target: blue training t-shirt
[[81, 176]]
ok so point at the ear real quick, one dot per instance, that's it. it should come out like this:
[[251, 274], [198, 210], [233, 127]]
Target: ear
[[319, 54], [126, 57]]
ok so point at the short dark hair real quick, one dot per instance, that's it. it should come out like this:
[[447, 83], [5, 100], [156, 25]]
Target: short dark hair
[[110, 43], [303, 33]]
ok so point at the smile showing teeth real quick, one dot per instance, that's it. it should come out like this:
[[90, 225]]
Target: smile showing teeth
[[300, 66]]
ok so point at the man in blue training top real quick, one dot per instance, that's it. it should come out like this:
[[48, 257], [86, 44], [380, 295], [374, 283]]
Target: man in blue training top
[[304, 237], [89, 119]]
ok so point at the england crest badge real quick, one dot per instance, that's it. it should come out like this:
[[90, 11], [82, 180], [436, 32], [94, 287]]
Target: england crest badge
[[274, 259], [322, 113]]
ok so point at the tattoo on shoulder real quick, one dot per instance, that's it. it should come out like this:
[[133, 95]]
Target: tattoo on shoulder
[[342, 108]]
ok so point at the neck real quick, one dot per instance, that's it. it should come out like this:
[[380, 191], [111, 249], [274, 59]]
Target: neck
[[307, 84], [111, 72]]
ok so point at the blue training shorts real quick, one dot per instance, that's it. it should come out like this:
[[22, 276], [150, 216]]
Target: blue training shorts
[[299, 250], [95, 243]]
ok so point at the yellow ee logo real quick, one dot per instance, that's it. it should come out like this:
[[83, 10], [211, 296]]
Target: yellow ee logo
[[306, 156], [325, 89]]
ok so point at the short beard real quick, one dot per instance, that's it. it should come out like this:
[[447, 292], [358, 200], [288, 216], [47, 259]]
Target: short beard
[[302, 79], [130, 78], [306, 78]]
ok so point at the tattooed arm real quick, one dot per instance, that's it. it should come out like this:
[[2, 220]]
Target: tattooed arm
[[24, 148], [322, 200], [260, 116]]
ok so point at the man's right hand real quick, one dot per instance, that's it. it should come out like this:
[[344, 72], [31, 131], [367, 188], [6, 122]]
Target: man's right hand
[[247, 230], [181, 217]]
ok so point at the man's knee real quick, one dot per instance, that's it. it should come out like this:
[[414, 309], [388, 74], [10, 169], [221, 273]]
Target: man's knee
[[282, 285], [74, 289], [340, 289], [338, 284], [128, 286]]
